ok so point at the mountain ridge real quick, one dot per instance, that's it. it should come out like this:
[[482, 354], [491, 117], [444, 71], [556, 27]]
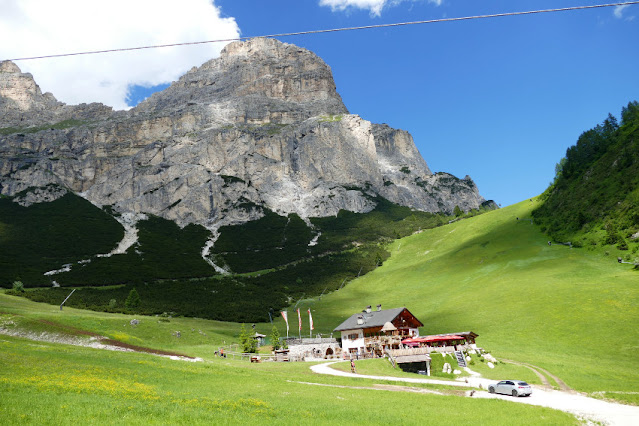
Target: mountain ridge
[[265, 113]]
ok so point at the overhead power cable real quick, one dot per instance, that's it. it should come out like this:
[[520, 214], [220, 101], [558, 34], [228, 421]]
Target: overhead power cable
[[333, 30]]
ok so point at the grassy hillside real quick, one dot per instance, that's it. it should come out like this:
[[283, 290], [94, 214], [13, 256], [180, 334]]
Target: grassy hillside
[[567, 310], [47, 383]]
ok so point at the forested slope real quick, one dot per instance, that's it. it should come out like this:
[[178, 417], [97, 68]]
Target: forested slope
[[594, 199]]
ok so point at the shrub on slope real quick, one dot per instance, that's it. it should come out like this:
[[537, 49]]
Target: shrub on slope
[[44, 236]]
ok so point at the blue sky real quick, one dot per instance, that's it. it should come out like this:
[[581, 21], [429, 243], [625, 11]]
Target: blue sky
[[498, 99]]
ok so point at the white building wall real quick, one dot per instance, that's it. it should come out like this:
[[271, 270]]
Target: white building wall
[[348, 344], [310, 350]]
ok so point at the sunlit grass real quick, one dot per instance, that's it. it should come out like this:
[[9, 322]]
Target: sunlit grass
[[44, 383], [566, 310]]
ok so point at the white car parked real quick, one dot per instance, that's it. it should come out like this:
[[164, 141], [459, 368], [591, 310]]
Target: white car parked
[[511, 387]]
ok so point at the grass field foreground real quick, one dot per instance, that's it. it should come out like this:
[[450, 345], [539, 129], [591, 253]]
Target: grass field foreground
[[46, 383]]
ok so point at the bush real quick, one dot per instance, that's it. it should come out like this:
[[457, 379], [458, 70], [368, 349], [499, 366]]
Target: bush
[[18, 286]]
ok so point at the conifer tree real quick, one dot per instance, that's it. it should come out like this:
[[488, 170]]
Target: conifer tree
[[275, 339], [133, 300], [247, 342]]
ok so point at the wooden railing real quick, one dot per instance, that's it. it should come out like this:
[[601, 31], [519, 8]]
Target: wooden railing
[[408, 352]]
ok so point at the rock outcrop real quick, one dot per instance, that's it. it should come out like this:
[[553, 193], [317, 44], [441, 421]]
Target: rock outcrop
[[23, 105], [260, 126]]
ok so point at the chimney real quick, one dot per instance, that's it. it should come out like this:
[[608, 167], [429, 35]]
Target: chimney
[[379, 308], [360, 320], [368, 309]]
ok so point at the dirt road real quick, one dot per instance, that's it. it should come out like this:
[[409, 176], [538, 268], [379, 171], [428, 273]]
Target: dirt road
[[583, 407]]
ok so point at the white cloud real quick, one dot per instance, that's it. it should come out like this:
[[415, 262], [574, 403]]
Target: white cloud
[[619, 10], [375, 6], [44, 27]]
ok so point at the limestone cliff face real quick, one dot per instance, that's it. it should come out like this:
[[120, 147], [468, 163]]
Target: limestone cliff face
[[263, 125]]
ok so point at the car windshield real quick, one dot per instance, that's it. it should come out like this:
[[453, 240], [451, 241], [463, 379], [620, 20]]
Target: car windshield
[[522, 383]]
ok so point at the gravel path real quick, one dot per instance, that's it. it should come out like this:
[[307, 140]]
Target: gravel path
[[584, 407], [94, 341]]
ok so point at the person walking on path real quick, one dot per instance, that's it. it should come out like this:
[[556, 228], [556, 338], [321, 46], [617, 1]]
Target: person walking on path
[[353, 366]]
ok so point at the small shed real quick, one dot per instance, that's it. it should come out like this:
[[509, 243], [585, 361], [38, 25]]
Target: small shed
[[260, 338]]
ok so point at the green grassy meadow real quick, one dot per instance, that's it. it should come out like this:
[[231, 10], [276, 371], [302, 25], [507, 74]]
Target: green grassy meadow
[[52, 383], [570, 311]]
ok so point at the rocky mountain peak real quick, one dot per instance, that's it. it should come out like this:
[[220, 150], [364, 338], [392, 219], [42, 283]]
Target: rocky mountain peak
[[23, 105], [256, 81], [8, 66], [19, 92]]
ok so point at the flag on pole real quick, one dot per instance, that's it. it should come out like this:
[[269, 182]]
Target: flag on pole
[[285, 316], [299, 320], [310, 319]]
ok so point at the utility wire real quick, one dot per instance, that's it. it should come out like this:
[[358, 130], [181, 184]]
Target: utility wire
[[333, 30]]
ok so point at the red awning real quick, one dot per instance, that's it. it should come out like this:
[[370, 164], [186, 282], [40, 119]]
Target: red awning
[[429, 339]]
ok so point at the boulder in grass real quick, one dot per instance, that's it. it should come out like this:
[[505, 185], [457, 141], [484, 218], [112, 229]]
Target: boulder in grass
[[490, 358]]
